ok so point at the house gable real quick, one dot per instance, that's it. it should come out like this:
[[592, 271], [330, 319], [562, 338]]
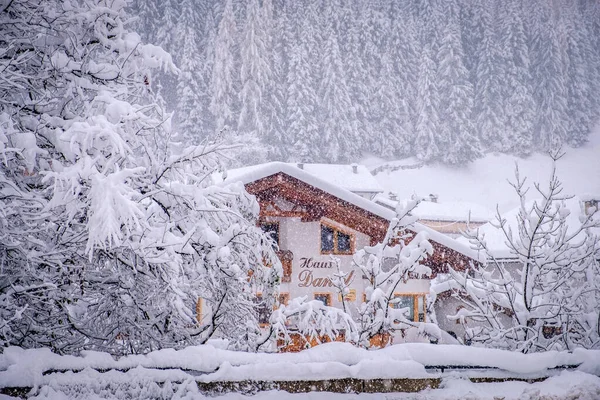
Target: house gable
[[312, 204]]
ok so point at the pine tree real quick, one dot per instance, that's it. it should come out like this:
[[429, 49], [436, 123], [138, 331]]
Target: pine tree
[[517, 81], [336, 114], [471, 32], [302, 128], [278, 34], [489, 110], [190, 107], [149, 14], [223, 84], [547, 73], [425, 145], [579, 75], [255, 71], [456, 133], [403, 45], [357, 64]]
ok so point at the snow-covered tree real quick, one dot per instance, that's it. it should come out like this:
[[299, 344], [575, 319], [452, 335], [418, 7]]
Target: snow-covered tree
[[278, 34], [336, 115], [403, 48], [548, 77], [546, 298], [425, 144], [356, 31], [385, 266], [190, 108], [489, 110], [388, 114], [580, 73], [255, 70], [456, 95], [517, 90], [301, 106], [311, 321], [223, 84], [532, 66], [109, 235]]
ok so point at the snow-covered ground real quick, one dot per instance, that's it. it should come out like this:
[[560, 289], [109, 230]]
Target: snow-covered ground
[[484, 181], [167, 373]]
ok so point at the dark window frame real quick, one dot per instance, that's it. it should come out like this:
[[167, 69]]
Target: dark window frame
[[335, 232]]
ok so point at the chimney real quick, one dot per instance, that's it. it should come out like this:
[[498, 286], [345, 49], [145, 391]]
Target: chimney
[[393, 196], [433, 198], [300, 165], [355, 168]]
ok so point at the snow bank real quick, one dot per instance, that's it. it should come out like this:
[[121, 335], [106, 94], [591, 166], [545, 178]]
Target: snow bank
[[35, 367]]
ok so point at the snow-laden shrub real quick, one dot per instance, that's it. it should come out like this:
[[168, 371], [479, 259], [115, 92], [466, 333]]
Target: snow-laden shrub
[[109, 229]]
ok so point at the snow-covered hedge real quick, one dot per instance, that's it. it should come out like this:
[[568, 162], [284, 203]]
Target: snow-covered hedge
[[35, 367]]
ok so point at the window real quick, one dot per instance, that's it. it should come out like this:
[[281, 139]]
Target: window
[[408, 302], [344, 242], [415, 303], [272, 230], [350, 296], [335, 241], [324, 298], [327, 244]]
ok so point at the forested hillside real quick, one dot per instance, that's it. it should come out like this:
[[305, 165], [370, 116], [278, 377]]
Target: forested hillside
[[330, 80]]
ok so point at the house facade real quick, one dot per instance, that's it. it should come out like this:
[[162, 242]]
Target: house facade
[[317, 224]]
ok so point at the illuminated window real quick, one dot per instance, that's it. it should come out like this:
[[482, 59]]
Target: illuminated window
[[324, 298], [414, 303], [335, 241], [350, 296]]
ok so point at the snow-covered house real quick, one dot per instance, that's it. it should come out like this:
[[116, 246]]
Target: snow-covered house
[[450, 218], [312, 218]]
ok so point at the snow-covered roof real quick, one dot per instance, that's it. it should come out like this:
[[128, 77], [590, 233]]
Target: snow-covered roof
[[353, 177], [495, 239], [444, 211], [256, 172]]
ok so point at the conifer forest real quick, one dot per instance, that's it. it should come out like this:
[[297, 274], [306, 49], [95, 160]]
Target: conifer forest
[[331, 81]]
